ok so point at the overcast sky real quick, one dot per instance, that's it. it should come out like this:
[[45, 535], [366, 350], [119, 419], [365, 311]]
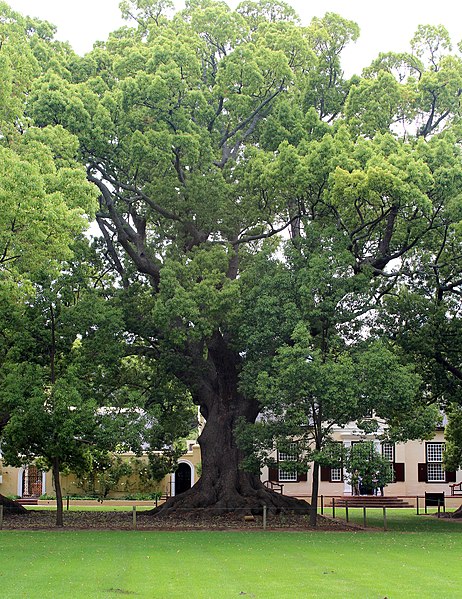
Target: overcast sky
[[385, 26]]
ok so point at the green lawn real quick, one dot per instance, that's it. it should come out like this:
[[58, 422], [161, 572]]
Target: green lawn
[[399, 519], [215, 565]]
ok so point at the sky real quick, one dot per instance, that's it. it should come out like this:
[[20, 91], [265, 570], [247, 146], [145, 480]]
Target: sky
[[385, 26]]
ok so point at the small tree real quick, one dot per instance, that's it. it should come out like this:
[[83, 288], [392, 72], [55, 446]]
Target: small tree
[[307, 393], [60, 373], [366, 467], [53, 426]]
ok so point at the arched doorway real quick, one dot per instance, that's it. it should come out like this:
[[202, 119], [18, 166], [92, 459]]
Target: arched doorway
[[32, 482], [183, 478]]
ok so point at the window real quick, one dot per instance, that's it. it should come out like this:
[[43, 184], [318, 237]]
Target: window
[[435, 472], [285, 476], [388, 451], [290, 456], [288, 476], [336, 475]]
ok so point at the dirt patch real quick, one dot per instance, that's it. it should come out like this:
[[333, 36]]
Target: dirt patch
[[76, 520]]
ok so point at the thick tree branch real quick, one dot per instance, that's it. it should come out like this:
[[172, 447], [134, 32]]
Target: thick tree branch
[[448, 366], [139, 194], [131, 241], [251, 121]]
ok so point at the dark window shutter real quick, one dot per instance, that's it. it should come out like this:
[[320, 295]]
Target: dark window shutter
[[325, 473], [398, 469], [422, 473], [302, 477], [450, 476], [273, 474]]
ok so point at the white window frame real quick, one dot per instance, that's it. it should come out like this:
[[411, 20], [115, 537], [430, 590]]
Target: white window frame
[[434, 457], [388, 448], [336, 475], [286, 476]]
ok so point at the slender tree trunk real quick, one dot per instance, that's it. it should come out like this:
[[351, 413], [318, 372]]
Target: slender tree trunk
[[314, 495], [52, 346], [59, 495]]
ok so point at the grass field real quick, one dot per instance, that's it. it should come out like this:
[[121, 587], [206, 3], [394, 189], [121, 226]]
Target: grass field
[[223, 565], [404, 520]]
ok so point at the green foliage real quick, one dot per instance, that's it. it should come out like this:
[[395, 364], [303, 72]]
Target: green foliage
[[43, 208], [453, 437], [45, 198], [143, 496], [161, 464], [105, 473], [47, 423], [367, 467]]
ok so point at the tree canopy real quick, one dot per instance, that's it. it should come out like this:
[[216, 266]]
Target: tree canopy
[[249, 192]]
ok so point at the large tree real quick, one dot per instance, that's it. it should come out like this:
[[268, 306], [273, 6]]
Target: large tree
[[208, 134]]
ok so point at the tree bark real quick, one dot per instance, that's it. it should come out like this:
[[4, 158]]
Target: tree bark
[[314, 495], [59, 495]]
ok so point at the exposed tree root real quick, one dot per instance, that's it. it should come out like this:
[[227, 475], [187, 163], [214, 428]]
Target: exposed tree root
[[198, 500], [11, 506]]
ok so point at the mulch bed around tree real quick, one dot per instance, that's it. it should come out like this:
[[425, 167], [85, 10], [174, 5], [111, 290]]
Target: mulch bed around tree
[[89, 520]]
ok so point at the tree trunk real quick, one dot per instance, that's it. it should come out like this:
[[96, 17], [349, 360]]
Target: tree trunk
[[314, 495], [223, 486], [11, 506], [457, 513], [59, 495]]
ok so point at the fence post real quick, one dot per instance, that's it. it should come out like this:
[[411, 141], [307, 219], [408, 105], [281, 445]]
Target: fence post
[[1, 517], [384, 518], [364, 515], [264, 516], [333, 507], [67, 503], [134, 516], [346, 510], [439, 507], [322, 505], [417, 504]]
